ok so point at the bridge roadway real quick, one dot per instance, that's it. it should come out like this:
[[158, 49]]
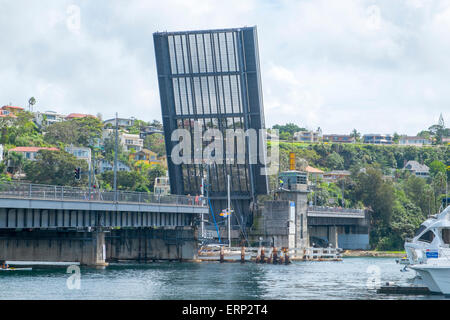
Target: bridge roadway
[[321, 216], [41, 206], [45, 223], [341, 227]]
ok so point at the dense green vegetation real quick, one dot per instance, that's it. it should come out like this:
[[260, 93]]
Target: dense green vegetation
[[57, 167], [397, 200]]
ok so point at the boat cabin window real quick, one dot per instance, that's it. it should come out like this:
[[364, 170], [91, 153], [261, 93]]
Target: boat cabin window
[[421, 228], [446, 236], [427, 237]]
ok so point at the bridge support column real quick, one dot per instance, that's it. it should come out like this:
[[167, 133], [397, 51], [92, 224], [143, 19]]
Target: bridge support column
[[333, 236]]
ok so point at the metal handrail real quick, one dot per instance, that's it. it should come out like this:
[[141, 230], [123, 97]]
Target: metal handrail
[[63, 193], [335, 209]]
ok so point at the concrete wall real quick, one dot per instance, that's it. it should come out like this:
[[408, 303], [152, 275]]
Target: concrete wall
[[354, 241], [95, 248], [83, 247], [355, 238], [301, 219], [152, 244], [279, 223]]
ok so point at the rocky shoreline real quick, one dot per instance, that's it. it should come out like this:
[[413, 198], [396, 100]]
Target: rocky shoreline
[[372, 253]]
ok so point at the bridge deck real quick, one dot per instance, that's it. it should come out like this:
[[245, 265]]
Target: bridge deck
[[42, 206]]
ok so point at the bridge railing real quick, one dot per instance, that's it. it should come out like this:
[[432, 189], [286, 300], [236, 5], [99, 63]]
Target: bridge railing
[[335, 210], [51, 192]]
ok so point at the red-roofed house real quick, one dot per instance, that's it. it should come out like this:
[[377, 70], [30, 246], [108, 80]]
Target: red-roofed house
[[30, 153], [78, 115], [10, 111], [314, 173]]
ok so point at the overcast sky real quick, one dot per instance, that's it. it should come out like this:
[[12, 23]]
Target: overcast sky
[[377, 66]]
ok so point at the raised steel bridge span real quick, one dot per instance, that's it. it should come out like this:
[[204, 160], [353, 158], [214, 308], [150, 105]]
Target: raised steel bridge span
[[59, 223]]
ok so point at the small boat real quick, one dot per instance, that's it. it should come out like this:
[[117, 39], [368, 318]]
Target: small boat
[[16, 269], [403, 260]]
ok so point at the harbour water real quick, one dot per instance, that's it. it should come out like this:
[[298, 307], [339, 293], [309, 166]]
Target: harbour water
[[352, 278]]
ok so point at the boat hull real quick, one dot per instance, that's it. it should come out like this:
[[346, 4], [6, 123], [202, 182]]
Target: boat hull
[[436, 278]]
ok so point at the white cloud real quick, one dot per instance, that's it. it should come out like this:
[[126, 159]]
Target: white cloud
[[335, 64]]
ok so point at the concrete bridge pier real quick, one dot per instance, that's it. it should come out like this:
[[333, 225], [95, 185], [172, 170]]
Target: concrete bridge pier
[[148, 244], [86, 247], [333, 236]]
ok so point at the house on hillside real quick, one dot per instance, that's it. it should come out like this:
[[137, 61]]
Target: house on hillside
[[81, 153], [12, 109], [378, 139], [104, 165], [50, 117], [420, 170], [162, 186], [336, 175], [78, 116], [308, 136], [30, 153], [130, 142], [338, 138], [146, 156], [121, 122], [314, 173], [414, 141]]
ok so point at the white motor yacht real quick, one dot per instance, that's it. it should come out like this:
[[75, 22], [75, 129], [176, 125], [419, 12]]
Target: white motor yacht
[[435, 274], [431, 239]]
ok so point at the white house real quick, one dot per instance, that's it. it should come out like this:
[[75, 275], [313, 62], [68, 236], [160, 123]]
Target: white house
[[414, 141], [103, 165], [127, 140], [80, 153]]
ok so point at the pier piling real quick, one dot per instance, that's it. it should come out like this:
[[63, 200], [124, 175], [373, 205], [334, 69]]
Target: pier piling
[[221, 254]]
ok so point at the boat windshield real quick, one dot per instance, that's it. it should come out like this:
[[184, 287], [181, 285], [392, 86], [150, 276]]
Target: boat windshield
[[427, 237], [446, 235], [419, 231]]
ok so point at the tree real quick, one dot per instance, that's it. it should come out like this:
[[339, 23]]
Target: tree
[[126, 180], [156, 124], [436, 166], [424, 134], [109, 149], [439, 130], [378, 196], [79, 132], [396, 138], [57, 168], [16, 162], [355, 134], [335, 161], [286, 132], [155, 143]]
